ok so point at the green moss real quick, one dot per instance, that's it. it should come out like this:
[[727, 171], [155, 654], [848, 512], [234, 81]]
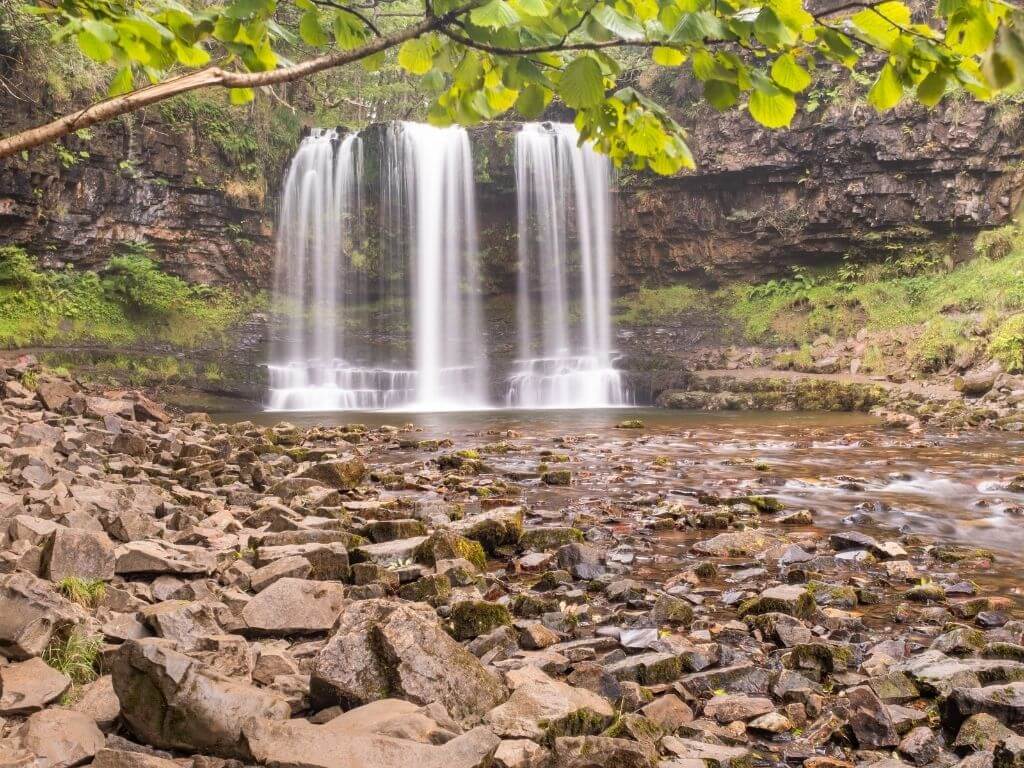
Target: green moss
[[448, 545], [650, 306], [542, 539], [472, 618], [132, 302], [582, 722], [1007, 344]]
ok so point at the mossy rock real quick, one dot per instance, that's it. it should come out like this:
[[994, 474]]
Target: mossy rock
[[435, 590], [826, 657], [791, 600], [551, 580], [1006, 651], [925, 593], [954, 553], [448, 545], [556, 477], [833, 595], [379, 531], [581, 722], [763, 504], [472, 618], [706, 571], [630, 424], [672, 610], [495, 528], [527, 606], [543, 539]]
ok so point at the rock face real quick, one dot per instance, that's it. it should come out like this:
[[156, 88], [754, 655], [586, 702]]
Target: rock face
[[148, 180], [384, 648], [172, 701]]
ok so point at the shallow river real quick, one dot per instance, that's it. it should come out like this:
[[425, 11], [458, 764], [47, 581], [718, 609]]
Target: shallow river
[[844, 467]]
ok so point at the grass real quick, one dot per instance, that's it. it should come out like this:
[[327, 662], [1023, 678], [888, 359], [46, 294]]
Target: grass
[[86, 592], [130, 301], [76, 655], [945, 306]]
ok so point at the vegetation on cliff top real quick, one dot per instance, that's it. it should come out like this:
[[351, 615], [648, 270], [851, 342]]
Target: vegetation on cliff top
[[131, 300], [953, 307], [480, 60]]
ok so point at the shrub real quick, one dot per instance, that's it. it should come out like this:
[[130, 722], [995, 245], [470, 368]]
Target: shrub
[[1007, 344], [999, 243], [937, 345], [17, 268], [134, 280]]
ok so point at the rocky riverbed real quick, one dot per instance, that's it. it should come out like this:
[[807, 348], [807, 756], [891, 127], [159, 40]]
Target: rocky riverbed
[[180, 592]]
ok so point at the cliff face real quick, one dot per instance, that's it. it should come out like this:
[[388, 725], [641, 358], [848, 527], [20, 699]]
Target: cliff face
[[138, 179], [842, 180]]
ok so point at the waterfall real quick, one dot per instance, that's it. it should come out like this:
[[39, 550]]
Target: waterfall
[[341, 298], [565, 251], [441, 229]]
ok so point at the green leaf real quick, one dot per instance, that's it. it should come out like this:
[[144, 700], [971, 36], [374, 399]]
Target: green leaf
[[311, 31], [619, 25], [531, 101], [349, 31], [788, 73], [122, 82], [537, 8], [190, 55], [243, 9], [646, 137], [696, 27], [668, 57], [931, 90], [494, 15], [720, 94], [882, 23], [239, 96], [93, 47], [416, 56], [374, 61], [582, 84], [771, 31], [772, 110], [887, 90]]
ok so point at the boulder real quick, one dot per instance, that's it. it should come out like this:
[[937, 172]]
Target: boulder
[[30, 612], [600, 752], [540, 706], [342, 474], [472, 618], [150, 557], [1004, 701], [61, 738], [99, 702], [870, 720], [77, 553], [725, 708], [734, 544], [383, 734], [493, 528], [28, 686], [183, 622], [294, 606], [53, 393], [171, 701], [121, 758], [384, 648]]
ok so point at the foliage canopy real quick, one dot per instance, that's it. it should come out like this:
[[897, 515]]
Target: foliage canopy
[[481, 59]]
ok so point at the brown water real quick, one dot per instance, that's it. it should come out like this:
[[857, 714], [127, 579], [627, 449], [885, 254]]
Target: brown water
[[845, 467]]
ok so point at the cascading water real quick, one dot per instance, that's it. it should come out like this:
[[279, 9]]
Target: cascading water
[[563, 259], [339, 306], [435, 169]]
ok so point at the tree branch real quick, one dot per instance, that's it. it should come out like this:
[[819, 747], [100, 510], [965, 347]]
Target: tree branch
[[205, 78]]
